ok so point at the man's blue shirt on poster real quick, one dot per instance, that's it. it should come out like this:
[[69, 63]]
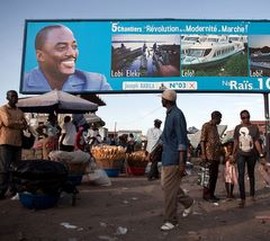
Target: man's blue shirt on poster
[[174, 136], [80, 81]]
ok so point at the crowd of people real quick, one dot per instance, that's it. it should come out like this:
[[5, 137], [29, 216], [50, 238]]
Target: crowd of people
[[169, 146], [245, 149], [67, 136]]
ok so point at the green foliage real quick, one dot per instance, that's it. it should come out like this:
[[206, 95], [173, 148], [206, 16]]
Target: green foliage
[[236, 65]]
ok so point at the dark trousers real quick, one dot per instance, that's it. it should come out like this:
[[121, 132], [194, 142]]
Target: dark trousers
[[153, 173], [209, 192], [155, 158], [241, 164], [9, 155]]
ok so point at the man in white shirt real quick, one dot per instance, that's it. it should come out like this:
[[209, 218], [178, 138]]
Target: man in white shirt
[[93, 136], [153, 135], [68, 135]]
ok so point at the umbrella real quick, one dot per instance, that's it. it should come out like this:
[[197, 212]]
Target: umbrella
[[56, 101], [93, 118]]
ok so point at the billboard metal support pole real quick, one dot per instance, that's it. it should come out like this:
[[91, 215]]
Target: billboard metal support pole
[[267, 131], [115, 124]]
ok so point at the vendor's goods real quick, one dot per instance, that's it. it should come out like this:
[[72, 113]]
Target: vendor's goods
[[136, 159], [40, 182], [203, 175], [109, 156], [76, 163]]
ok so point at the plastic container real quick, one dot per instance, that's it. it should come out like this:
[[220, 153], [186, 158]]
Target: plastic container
[[38, 201], [136, 171], [112, 172]]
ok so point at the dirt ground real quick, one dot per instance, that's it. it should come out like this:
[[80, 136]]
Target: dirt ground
[[131, 209]]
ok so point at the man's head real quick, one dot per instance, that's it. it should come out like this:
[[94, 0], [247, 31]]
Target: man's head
[[157, 123], [216, 117], [245, 116], [67, 119], [168, 97], [56, 51], [12, 97]]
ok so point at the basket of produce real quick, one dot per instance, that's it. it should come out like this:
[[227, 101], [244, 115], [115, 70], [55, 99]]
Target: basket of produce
[[136, 163], [136, 159], [109, 157]]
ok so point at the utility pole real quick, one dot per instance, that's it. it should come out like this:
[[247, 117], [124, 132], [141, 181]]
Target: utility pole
[[115, 124], [267, 125]]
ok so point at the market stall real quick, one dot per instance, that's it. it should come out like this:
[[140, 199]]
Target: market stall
[[53, 102]]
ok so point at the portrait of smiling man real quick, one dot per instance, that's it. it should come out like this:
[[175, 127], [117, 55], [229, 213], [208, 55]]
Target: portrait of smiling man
[[56, 52]]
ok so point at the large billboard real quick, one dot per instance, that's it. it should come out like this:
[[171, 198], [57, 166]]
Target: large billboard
[[146, 56]]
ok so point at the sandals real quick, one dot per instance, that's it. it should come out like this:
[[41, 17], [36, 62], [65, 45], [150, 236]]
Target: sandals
[[167, 226], [189, 210]]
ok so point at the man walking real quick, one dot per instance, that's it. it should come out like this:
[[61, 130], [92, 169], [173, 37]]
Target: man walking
[[152, 136], [211, 153], [175, 144]]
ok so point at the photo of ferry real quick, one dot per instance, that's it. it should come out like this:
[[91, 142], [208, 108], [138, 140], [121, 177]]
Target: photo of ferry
[[214, 55], [145, 55], [259, 54]]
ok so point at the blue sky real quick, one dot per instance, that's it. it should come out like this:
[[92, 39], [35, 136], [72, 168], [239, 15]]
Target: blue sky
[[132, 111]]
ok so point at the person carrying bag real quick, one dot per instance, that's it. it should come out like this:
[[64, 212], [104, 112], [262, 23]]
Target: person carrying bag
[[28, 139]]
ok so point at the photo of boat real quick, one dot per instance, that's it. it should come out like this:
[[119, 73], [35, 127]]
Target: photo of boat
[[260, 57], [238, 39], [145, 55], [259, 54], [188, 41], [209, 51], [260, 64], [258, 69]]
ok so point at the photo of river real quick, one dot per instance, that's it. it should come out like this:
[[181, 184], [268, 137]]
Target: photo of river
[[145, 55]]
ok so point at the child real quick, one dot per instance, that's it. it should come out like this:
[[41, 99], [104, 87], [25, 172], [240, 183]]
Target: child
[[230, 175]]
